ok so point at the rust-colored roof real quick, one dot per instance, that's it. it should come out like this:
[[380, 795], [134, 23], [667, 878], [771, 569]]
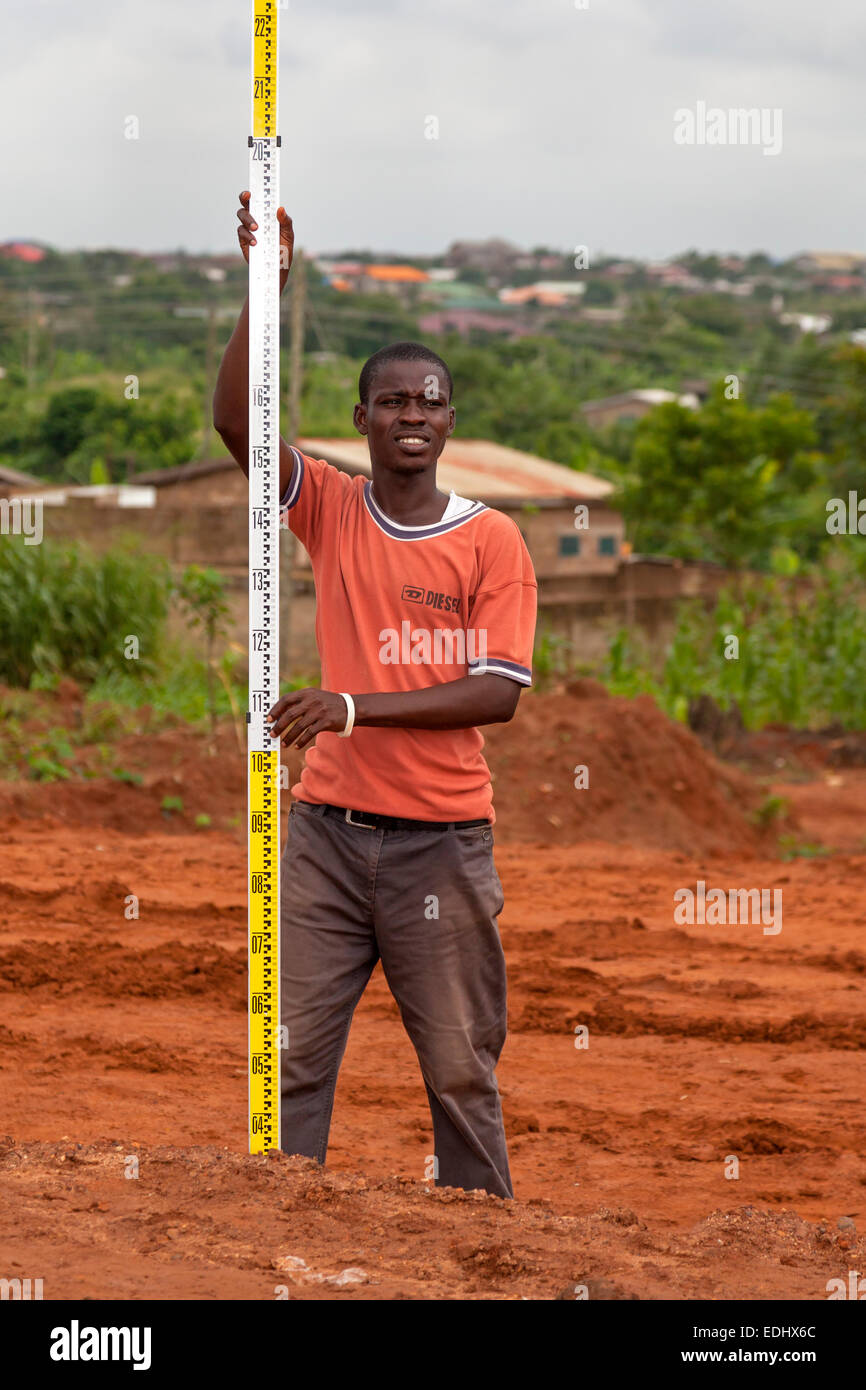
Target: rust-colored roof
[[474, 468], [397, 272], [10, 477], [478, 469], [184, 472], [22, 251]]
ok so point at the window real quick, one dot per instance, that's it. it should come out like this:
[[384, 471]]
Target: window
[[569, 545], [607, 545]]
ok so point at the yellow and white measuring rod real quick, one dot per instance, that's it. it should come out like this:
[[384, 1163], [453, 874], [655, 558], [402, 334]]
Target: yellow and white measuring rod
[[263, 827]]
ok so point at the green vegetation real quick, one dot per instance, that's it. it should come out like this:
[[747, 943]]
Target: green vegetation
[[791, 848], [801, 661], [179, 688], [92, 433], [65, 612], [729, 482], [201, 593], [771, 810], [110, 361], [54, 754]]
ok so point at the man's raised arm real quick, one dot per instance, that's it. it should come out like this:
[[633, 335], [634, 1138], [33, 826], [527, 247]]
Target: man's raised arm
[[231, 395]]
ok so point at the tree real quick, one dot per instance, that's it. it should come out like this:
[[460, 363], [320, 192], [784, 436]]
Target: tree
[[67, 422], [727, 482], [845, 416], [202, 594], [599, 292]]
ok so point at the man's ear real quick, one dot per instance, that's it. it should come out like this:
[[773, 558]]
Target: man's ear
[[359, 415], [452, 418]]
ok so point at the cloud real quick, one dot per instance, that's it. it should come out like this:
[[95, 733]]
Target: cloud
[[826, 37], [555, 124]]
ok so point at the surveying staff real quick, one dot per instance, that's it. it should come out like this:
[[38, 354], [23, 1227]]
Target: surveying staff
[[425, 618]]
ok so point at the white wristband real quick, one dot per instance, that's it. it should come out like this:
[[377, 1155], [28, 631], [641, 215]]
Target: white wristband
[[350, 720]]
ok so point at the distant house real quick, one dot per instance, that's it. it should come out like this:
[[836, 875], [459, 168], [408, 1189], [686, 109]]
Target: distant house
[[340, 275], [741, 289], [462, 307], [493, 257], [632, 405], [213, 482], [673, 274], [458, 319], [843, 284], [393, 279], [460, 294], [196, 514], [602, 314], [565, 516], [696, 386], [552, 294], [618, 270], [23, 251], [541, 497], [827, 262], [807, 323], [13, 483], [86, 496]]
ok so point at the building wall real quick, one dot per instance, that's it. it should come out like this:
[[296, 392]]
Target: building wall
[[581, 607], [542, 528], [212, 489], [642, 596], [545, 529]]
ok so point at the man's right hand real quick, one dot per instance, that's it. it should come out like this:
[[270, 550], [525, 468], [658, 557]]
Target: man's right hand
[[247, 239]]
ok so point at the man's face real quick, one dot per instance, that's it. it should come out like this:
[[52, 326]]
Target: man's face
[[407, 418]]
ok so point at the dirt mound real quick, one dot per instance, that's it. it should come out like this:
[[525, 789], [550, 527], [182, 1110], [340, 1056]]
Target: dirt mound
[[647, 781], [202, 1222], [581, 764]]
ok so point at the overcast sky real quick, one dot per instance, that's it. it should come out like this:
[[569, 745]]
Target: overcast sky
[[556, 124]]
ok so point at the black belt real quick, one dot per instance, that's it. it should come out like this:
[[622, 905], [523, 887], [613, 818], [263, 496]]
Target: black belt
[[373, 821]]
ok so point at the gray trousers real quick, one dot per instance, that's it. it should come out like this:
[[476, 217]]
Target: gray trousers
[[426, 903]]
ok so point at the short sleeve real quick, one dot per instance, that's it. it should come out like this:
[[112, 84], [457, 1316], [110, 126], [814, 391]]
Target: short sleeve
[[503, 609], [315, 488]]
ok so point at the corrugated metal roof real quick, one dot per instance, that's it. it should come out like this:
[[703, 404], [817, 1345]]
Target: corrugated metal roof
[[12, 478], [646, 395], [478, 469], [184, 472]]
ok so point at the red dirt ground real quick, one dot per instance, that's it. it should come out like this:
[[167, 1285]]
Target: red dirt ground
[[128, 1038]]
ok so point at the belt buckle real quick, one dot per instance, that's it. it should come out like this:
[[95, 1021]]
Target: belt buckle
[[359, 823]]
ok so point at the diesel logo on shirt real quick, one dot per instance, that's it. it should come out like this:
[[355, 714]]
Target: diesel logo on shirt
[[449, 603]]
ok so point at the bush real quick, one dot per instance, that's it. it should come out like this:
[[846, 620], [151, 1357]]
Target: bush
[[65, 611], [801, 657]]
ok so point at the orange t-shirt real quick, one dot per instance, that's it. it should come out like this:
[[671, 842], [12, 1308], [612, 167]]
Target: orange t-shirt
[[401, 608]]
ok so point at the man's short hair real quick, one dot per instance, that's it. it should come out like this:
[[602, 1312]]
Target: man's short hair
[[400, 352]]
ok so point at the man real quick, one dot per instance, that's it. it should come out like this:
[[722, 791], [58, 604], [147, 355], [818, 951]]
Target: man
[[425, 617]]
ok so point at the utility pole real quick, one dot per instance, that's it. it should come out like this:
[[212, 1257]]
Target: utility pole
[[210, 343], [297, 310], [297, 324], [31, 340]]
